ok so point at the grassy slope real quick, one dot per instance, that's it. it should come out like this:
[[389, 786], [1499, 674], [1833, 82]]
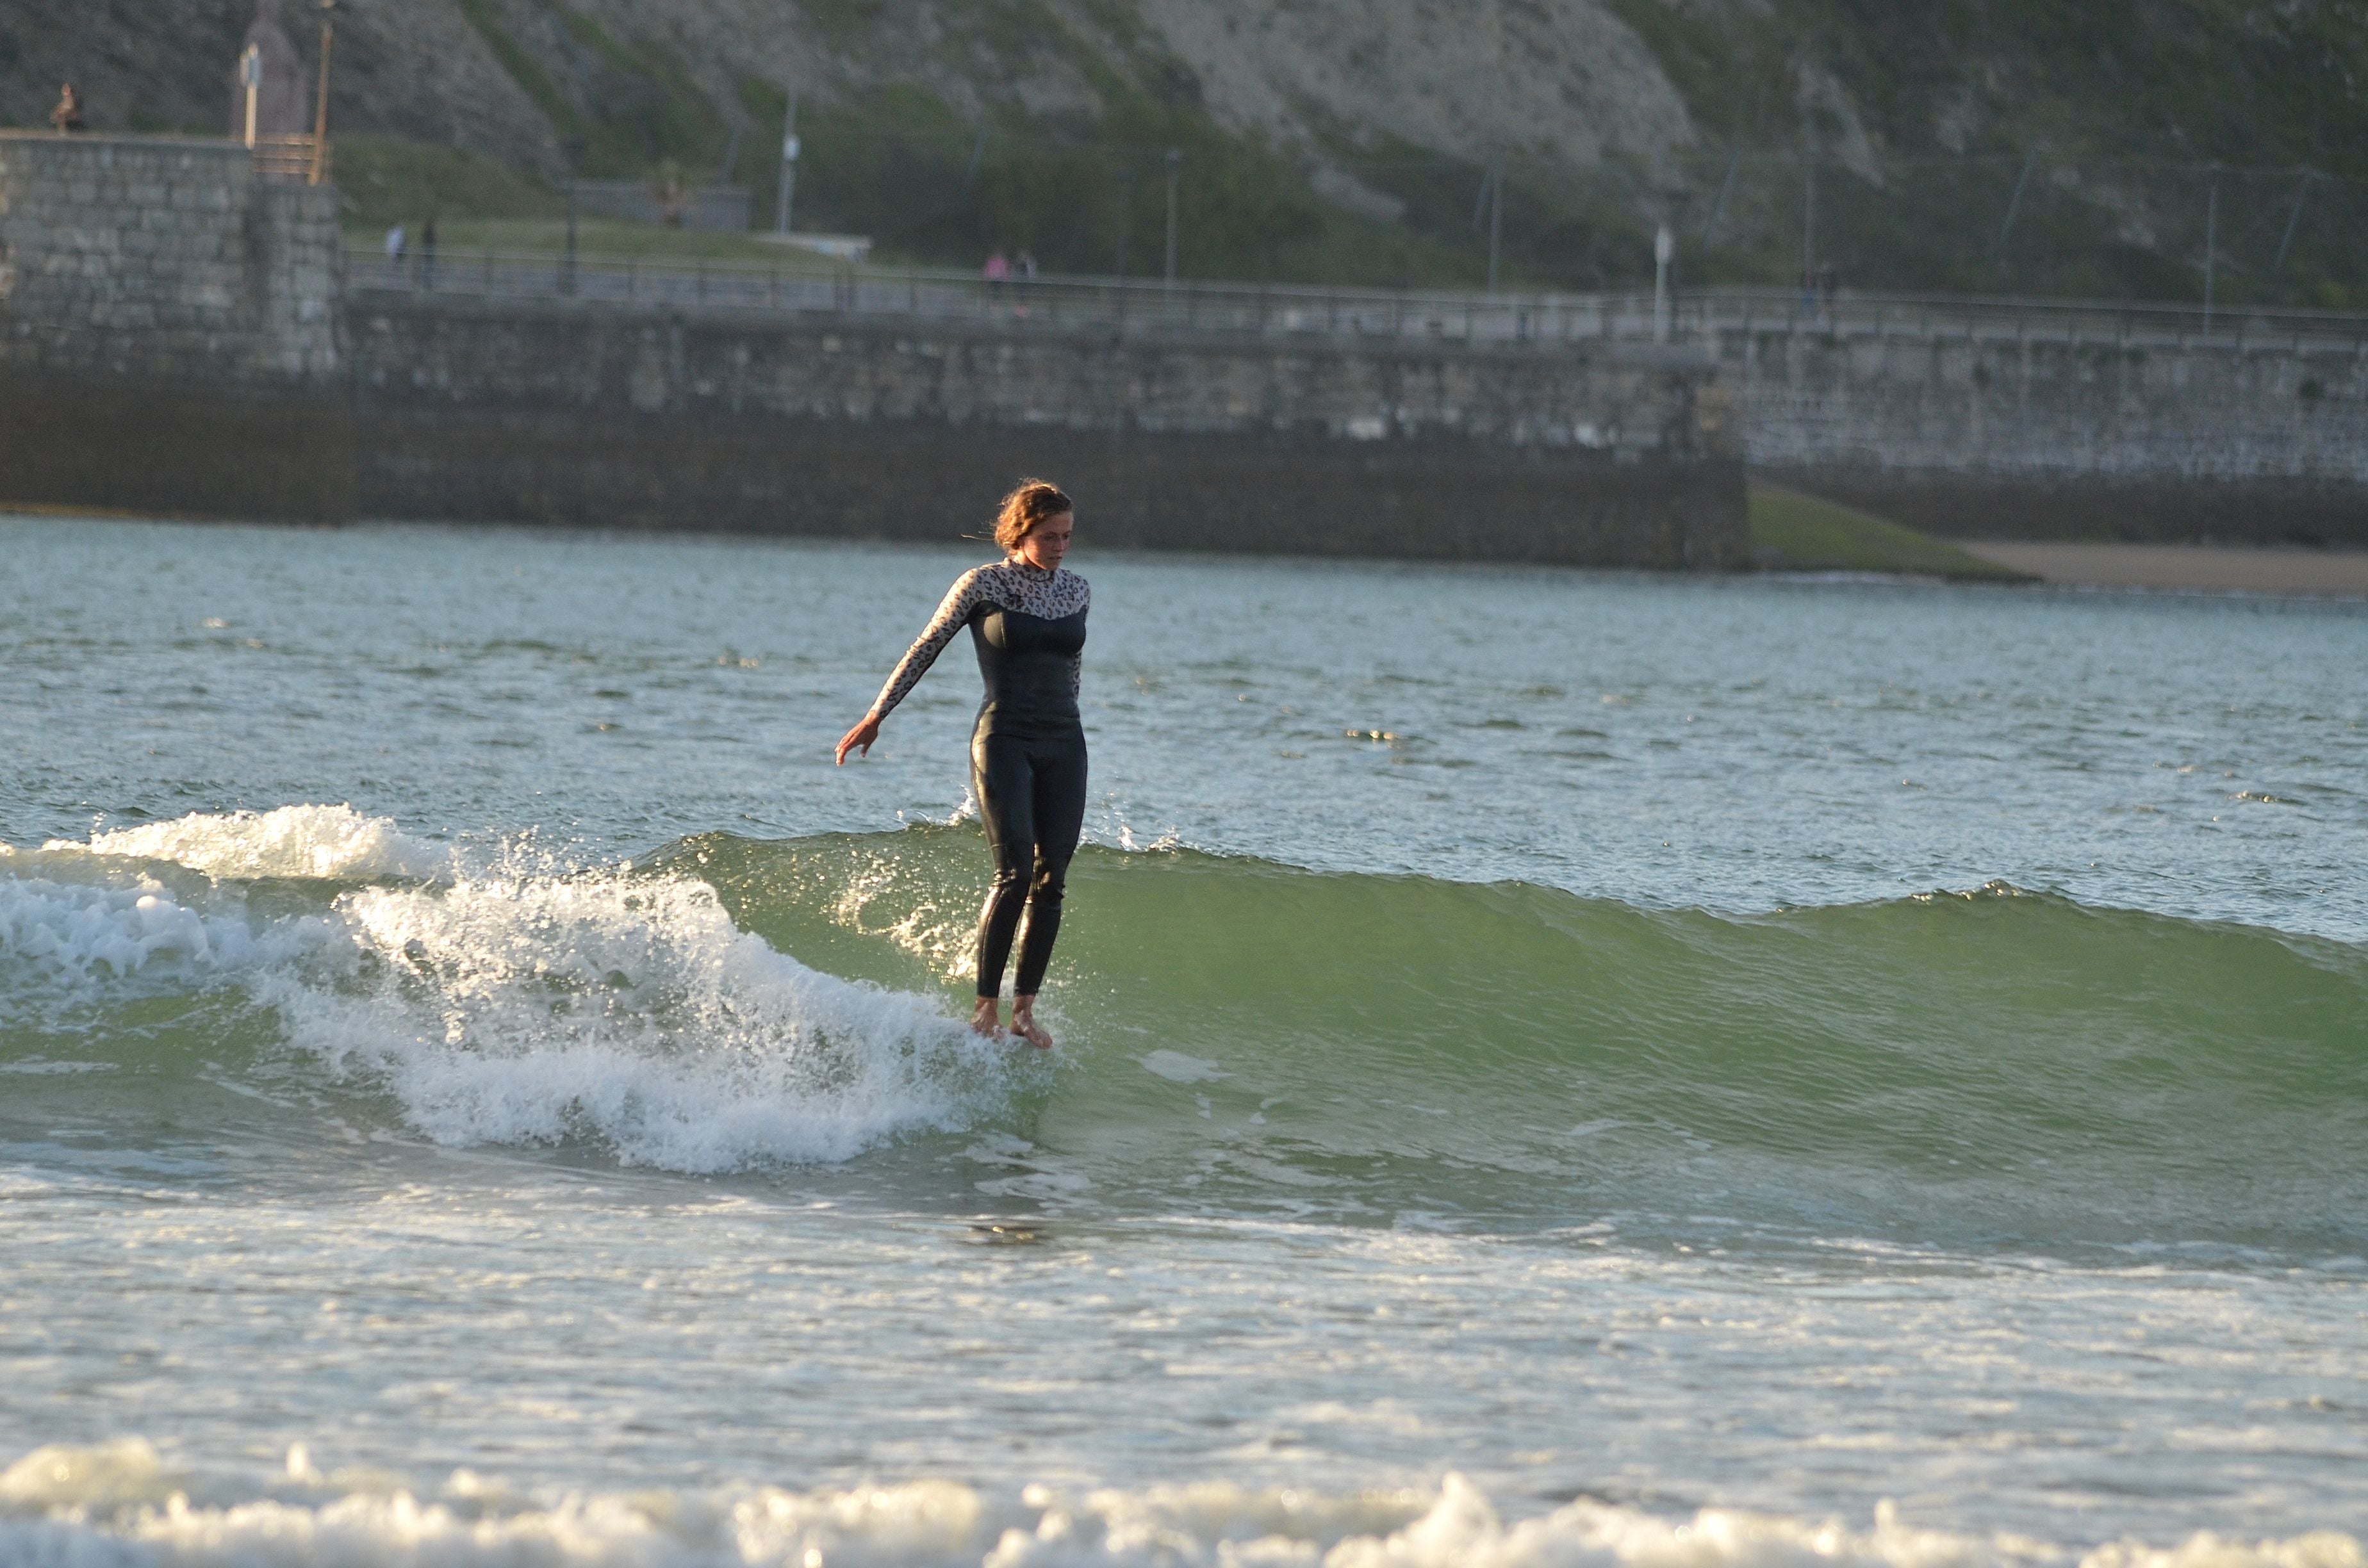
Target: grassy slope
[[1790, 531], [383, 180]]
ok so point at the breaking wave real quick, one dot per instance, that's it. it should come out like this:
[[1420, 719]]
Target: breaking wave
[[1243, 1037], [120, 1507]]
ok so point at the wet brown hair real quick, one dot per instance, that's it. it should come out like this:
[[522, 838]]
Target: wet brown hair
[[1027, 506]]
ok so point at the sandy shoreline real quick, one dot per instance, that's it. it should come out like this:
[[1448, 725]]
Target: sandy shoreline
[[2330, 571]]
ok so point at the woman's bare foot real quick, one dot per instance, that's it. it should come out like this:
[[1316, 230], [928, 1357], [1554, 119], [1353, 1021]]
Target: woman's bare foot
[[982, 1017], [1024, 1024]]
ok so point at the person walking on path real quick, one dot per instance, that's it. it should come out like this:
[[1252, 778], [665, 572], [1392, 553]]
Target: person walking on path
[[67, 116], [1026, 620]]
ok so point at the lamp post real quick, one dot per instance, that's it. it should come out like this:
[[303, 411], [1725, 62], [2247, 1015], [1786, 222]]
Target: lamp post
[[2211, 243], [1126, 178], [320, 170], [574, 149], [1665, 250], [789, 187], [1495, 216], [250, 71], [1174, 165]]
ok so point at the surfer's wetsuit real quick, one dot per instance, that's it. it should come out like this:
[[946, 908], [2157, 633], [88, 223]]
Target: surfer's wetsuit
[[1027, 752]]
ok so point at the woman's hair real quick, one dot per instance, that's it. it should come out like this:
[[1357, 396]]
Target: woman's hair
[[1025, 508]]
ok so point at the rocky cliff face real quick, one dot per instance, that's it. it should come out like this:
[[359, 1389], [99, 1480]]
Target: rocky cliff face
[[1928, 119]]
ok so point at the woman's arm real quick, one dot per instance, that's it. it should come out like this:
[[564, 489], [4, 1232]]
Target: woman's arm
[[953, 613]]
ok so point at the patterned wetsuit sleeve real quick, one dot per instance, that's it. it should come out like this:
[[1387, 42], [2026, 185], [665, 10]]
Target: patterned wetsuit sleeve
[[1077, 665], [951, 616]]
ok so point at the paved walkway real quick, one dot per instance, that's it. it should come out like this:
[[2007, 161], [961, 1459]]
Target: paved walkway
[[2343, 571]]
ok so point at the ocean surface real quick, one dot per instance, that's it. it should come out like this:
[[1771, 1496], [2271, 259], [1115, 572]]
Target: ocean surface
[[1556, 1068]]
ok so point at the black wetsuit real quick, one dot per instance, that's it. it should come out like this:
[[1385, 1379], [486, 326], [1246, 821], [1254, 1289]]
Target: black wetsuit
[[1027, 752]]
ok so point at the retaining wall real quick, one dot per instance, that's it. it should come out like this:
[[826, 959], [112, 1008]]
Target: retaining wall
[[2217, 438], [168, 330], [908, 429]]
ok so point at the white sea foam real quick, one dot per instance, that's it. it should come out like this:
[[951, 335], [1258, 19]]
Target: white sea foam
[[629, 1010], [330, 842], [535, 1005], [70, 931], [120, 1504]]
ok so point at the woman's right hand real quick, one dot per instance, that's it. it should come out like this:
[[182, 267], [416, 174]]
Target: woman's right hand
[[859, 739]]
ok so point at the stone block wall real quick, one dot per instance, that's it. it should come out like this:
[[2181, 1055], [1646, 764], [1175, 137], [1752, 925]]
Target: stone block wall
[[583, 413], [164, 258], [168, 332], [2215, 438]]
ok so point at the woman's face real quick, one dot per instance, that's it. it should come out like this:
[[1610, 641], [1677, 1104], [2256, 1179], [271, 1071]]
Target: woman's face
[[1048, 541]]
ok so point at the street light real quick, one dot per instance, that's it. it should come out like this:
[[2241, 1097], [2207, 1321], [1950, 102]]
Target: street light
[[250, 71], [320, 170], [574, 147], [1174, 165], [788, 188], [1665, 250]]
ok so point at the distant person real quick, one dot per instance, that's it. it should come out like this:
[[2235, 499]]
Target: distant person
[[428, 254], [67, 116], [1024, 268], [1027, 619], [395, 245], [998, 266]]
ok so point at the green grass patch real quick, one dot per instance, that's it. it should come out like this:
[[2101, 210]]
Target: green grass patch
[[1793, 532], [384, 180]]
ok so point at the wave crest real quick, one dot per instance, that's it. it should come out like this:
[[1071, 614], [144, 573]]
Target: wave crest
[[330, 843]]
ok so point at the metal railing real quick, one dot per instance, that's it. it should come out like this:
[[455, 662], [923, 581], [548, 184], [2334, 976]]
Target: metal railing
[[287, 156], [1997, 318], [1706, 319]]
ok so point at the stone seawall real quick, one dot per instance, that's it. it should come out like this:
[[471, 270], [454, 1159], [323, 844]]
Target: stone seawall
[[908, 429], [175, 337], [168, 330], [2258, 442]]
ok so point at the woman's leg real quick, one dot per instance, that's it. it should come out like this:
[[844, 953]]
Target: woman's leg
[[1003, 781], [1060, 815]]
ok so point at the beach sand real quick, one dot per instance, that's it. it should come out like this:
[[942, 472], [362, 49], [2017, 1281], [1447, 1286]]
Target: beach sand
[[2183, 566]]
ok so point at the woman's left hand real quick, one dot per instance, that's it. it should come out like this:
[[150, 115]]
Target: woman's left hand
[[859, 739]]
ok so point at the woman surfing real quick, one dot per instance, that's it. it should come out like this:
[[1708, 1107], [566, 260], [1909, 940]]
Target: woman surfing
[[1026, 620]]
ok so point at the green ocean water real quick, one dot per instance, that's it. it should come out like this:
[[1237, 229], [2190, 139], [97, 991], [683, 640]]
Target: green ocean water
[[1553, 1068]]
